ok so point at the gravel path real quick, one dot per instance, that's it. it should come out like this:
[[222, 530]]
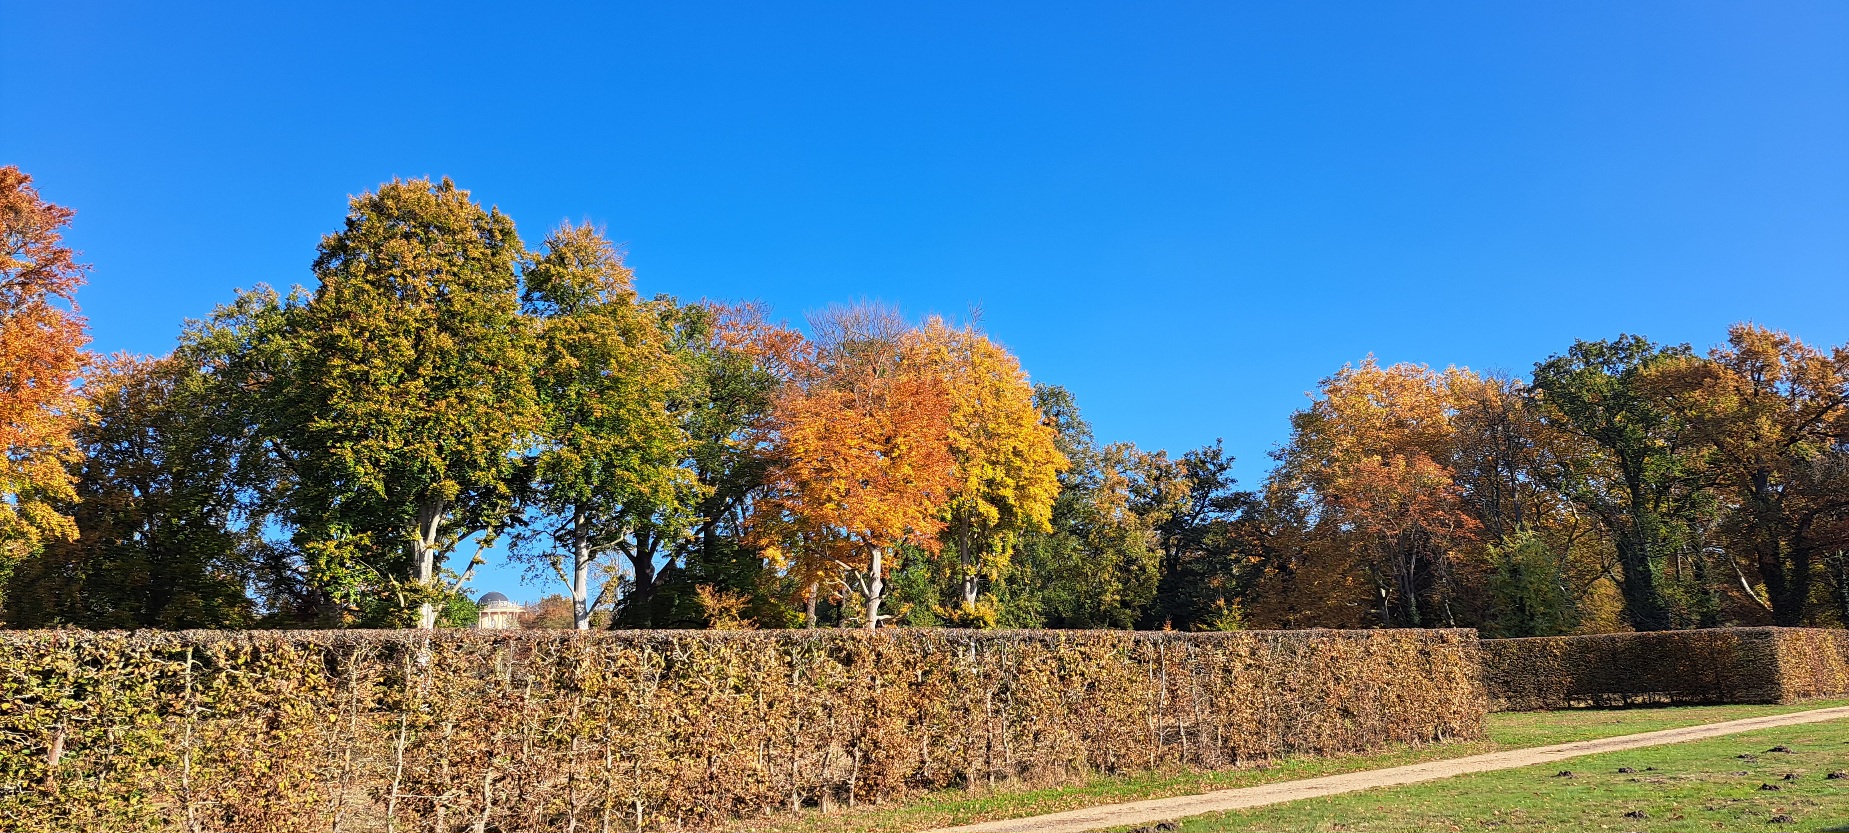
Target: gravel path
[[1164, 809]]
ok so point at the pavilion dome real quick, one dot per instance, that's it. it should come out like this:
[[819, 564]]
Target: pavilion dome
[[494, 611]]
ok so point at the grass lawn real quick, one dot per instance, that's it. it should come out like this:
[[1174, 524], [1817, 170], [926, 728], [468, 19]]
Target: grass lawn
[[1680, 787], [1506, 731]]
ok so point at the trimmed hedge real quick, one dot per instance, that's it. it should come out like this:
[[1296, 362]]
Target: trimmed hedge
[[1812, 662], [357, 731], [1720, 665]]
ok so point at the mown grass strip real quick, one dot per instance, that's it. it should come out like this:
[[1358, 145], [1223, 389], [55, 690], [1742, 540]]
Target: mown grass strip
[[1506, 731], [1724, 784]]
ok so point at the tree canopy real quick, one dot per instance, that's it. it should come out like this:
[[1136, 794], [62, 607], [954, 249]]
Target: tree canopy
[[407, 392], [42, 353], [345, 455]]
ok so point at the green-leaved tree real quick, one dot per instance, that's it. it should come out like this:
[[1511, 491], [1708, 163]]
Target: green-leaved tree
[[1624, 458], [607, 374], [408, 396]]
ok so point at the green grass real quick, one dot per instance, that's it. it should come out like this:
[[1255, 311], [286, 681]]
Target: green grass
[[1506, 731], [1691, 787], [1515, 730]]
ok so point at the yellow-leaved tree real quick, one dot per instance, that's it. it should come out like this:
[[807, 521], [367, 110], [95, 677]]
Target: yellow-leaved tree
[[1770, 414], [1007, 458]]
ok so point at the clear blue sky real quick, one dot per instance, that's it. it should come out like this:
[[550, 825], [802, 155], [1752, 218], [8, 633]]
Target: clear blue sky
[[1186, 213]]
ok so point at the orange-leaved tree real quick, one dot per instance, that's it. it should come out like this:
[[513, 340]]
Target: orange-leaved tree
[[1372, 458], [1771, 415], [1007, 458], [41, 358], [864, 465]]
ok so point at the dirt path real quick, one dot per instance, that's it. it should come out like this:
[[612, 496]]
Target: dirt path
[[1164, 809]]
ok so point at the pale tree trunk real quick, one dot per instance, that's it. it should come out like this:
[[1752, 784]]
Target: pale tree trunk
[[424, 551], [577, 573], [970, 585], [581, 571], [814, 591], [870, 584], [874, 586]]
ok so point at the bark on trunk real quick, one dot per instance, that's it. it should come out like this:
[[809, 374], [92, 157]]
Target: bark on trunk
[[1643, 603], [1406, 575], [873, 585], [970, 585], [642, 566], [581, 571], [424, 553], [1837, 563]]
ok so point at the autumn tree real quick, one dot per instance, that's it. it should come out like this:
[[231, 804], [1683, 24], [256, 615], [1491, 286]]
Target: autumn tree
[[1544, 557], [1771, 417], [864, 458], [408, 393], [1623, 458], [1007, 461], [1205, 529], [1372, 462], [554, 612], [164, 540], [1097, 563], [607, 378], [737, 361], [1495, 447], [179, 494], [41, 357]]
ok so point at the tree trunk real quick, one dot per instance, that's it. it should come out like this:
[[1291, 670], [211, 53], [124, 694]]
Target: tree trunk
[[1787, 584], [424, 555], [642, 566], [970, 585], [1707, 596], [1836, 568], [814, 591], [1406, 574], [581, 571], [1643, 602], [873, 586], [1791, 600]]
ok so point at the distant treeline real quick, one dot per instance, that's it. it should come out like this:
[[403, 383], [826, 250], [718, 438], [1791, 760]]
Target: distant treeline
[[345, 456]]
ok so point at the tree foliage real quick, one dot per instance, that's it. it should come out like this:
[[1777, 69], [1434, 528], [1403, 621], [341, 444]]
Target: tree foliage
[[608, 381], [865, 464], [348, 455], [1097, 563], [41, 357], [1624, 459], [1373, 460], [1006, 459], [407, 391], [1770, 416], [156, 547], [739, 361]]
